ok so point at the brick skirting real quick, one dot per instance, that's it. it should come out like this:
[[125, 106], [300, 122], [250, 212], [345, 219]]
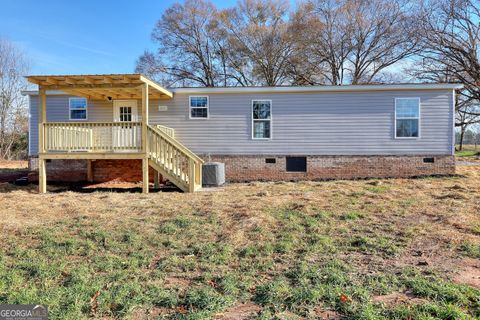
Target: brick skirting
[[103, 170], [252, 168], [59, 170]]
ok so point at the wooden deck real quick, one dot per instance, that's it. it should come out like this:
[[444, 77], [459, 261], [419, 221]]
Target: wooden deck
[[118, 140], [155, 146]]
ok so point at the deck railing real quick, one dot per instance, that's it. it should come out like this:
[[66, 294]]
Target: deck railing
[[93, 136], [180, 165], [169, 131]]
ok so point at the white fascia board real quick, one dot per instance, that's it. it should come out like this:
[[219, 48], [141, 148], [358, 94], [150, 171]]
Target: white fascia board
[[346, 88]]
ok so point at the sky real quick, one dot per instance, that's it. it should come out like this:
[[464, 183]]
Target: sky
[[84, 36]]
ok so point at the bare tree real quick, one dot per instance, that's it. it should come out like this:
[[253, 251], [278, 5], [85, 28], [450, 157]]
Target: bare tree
[[383, 33], [323, 38], [465, 117], [186, 52], [245, 45], [450, 36], [260, 44], [356, 40], [13, 113]]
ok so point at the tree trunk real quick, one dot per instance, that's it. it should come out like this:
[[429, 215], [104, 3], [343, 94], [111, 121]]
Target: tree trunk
[[462, 134]]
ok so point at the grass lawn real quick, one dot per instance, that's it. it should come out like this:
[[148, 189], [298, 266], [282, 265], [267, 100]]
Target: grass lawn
[[373, 249], [468, 151]]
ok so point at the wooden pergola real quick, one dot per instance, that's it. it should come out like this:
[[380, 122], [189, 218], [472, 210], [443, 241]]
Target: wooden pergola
[[102, 86], [97, 87]]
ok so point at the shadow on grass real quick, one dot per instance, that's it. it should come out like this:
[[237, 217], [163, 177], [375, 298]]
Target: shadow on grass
[[56, 187], [86, 187], [89, 188]]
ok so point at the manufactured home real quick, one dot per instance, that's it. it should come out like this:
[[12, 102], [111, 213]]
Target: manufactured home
[[127, 127]]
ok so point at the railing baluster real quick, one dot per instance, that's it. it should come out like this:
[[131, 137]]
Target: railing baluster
[[176, 160], [91, 136]]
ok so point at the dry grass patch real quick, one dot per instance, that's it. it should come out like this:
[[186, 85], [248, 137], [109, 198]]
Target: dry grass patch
[[13, 164], [307, 250]]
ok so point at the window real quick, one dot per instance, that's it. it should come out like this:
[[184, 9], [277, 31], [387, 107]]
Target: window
[[199, 107], [407, 117], [296, 164], [270, 160], [125, 114], [262, 118], [78, 108]]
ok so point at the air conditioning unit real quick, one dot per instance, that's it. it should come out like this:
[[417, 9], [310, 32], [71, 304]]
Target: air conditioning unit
[[213, 174]]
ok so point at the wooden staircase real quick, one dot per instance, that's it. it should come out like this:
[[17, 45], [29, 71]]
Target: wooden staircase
[[173, 160]]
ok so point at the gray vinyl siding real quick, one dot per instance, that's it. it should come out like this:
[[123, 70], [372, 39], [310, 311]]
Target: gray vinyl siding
[[58, 111], [313, 123]]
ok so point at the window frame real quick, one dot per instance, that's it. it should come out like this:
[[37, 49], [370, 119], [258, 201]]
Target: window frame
[[190, 107], [120, 114], [416, 118], [271, 120], [70, 109]]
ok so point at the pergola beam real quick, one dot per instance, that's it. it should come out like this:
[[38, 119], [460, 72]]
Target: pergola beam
[[87, 94], [155, 86], [92, 86], [119, 86]]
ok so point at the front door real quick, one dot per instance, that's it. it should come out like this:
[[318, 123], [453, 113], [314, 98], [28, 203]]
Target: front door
[[126, 134], [125, 111]]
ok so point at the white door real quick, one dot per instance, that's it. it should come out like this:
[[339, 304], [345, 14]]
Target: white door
[[126, 134]]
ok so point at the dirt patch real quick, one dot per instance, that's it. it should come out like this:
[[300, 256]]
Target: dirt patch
[[325, 314], [433, 250], [397, 298], [113, 184], [287, 315], [239, 312], [152, 313], [469, 273], [176, 282]]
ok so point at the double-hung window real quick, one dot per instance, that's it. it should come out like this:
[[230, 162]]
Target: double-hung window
[[407, 117], [262, 119], [78, 108], [199, 107]]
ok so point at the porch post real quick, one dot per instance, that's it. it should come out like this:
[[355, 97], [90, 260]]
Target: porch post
[[156, 178], [145, 144], [42, 117], [89, 171]]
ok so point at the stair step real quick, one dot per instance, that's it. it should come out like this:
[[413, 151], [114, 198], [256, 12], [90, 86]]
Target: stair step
[[177, 154]]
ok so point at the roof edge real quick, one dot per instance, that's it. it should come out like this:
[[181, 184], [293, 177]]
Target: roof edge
[[48, 92], [346, 88]]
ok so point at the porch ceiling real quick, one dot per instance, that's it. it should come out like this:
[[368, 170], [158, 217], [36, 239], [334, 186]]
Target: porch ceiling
[[102, 86]]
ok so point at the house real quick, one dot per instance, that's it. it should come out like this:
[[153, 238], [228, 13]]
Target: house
[[126, 126]]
